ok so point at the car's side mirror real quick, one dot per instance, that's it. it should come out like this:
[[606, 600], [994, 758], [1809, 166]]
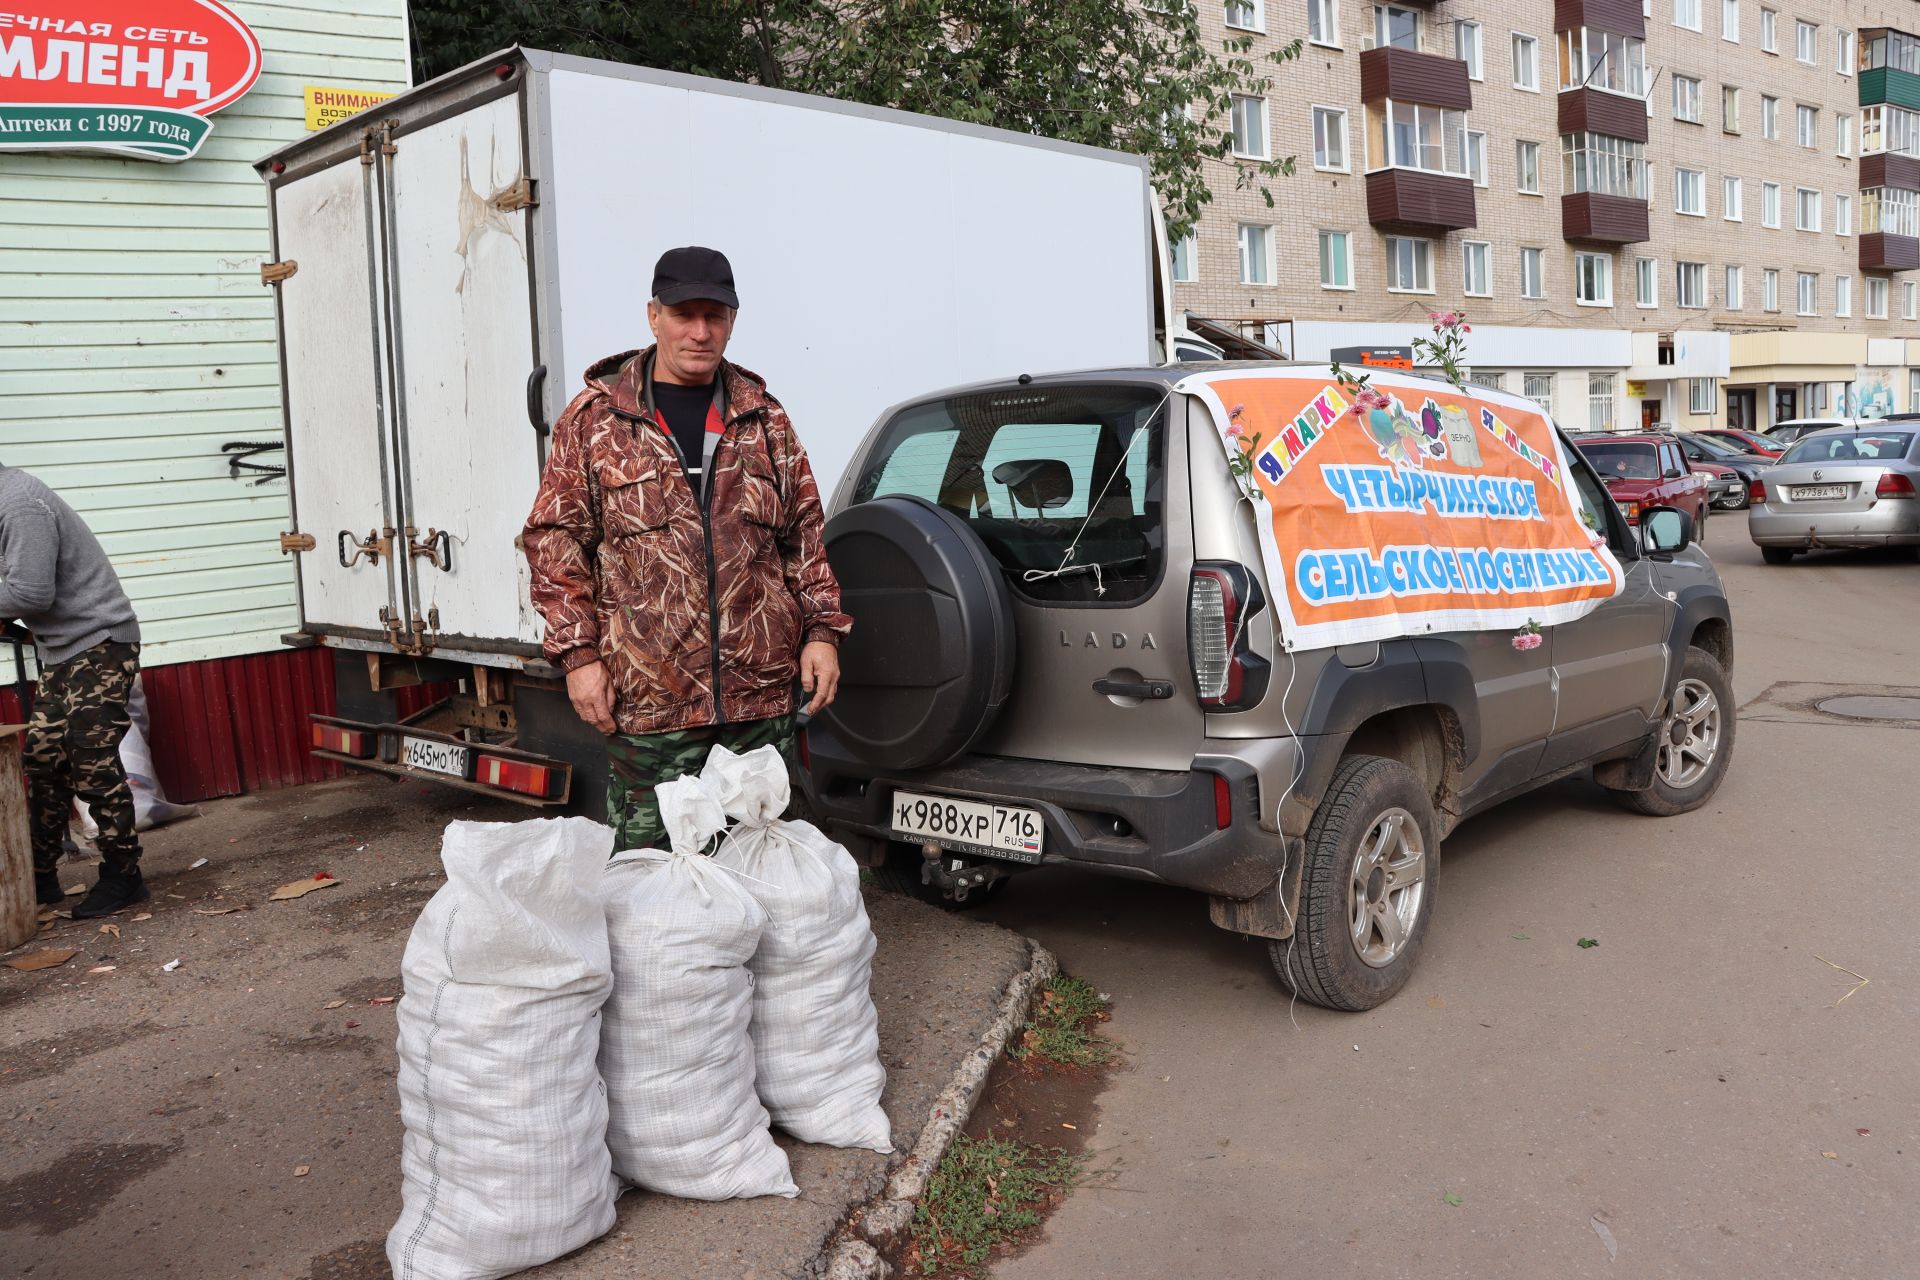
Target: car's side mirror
[[1672, 474], [1665, 530]]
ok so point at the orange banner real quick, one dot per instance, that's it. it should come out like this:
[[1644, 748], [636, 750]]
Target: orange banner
[[1408, 507]]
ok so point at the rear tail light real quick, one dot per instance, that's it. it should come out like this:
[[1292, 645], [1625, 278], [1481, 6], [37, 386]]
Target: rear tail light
[[541, 781], [358, 743], [1222, 599], [1757, 490], [1222, 803], [806, 756], [1893, 485]]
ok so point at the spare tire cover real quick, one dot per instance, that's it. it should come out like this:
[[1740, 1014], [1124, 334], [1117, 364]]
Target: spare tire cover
[[930, 660]]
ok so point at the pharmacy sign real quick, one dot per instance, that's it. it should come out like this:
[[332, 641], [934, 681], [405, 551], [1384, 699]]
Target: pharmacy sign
[[133, 77]]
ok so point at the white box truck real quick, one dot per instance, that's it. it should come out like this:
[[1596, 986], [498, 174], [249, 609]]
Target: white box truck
[[448, 263]]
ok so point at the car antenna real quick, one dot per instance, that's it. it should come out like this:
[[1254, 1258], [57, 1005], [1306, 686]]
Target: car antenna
[[1025, 378]]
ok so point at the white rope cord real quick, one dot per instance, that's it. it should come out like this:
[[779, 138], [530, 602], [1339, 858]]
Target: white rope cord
[[1066, 564]]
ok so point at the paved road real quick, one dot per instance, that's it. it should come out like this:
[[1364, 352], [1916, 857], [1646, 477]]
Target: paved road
[[1684, 1080]]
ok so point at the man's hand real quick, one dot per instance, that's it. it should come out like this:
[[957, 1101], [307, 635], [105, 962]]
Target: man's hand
[[820, 674], [590, 690]]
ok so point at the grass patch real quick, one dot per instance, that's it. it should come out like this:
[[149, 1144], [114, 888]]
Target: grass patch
[[984, 1191], [1062, 1029]]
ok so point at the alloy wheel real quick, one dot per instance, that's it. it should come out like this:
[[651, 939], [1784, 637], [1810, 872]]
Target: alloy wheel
[[1388, 885]]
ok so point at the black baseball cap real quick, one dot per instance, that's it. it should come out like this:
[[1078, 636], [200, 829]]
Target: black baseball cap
[[682, 275]]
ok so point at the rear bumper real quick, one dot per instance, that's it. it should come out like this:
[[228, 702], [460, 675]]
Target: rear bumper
[[1145, 824], [506, 772], [1886, 523]]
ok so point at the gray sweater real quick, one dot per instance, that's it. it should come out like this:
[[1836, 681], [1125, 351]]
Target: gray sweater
[[53, 575]]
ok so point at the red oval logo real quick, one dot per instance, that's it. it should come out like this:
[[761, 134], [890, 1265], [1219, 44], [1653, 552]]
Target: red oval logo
[[193, 56]]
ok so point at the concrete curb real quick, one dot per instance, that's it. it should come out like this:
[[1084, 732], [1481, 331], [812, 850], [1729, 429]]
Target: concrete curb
[[886, 1217]]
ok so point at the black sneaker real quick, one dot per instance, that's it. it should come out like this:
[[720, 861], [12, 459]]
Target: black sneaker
[[47, 889], [116, 890]]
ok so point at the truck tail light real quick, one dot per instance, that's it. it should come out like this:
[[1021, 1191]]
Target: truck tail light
[[538, 780], [1893, 485], [1757, 490], [358, 743], [1222, 803], [1222, 598]]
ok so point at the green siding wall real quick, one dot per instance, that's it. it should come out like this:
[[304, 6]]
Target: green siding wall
[[1885, 84], [136, 338]]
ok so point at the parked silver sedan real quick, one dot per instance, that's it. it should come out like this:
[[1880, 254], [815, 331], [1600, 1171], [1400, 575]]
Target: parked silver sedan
[[1851, 487]]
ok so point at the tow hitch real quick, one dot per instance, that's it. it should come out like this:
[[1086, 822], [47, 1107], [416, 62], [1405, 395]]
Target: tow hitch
[[955, 876]]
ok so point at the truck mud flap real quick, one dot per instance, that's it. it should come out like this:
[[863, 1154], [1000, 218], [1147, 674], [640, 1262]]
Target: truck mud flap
[[411, 750]]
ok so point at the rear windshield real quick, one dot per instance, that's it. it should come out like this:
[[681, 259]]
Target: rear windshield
[[1868, 446], [1035, 472], [1623, 461]]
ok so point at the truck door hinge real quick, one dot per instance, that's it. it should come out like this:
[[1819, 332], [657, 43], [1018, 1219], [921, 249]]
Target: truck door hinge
[[276, 272], [296, 542], [521, 195]]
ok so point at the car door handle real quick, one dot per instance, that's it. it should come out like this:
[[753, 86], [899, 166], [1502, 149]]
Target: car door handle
[[1150, 689]]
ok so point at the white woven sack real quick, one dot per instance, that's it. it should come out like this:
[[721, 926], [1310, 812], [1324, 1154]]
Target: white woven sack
[[816, 1036], [504, 1164], [682, 1116]]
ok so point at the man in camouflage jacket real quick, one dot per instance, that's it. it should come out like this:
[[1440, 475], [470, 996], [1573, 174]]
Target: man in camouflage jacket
[[679, 563]]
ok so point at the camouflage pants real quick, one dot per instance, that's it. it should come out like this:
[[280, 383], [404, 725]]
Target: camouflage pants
[[73, 750], [641, 761]]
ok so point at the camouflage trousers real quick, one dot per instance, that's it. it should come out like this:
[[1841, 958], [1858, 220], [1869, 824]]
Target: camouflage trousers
[[639, 762], [73, 751]]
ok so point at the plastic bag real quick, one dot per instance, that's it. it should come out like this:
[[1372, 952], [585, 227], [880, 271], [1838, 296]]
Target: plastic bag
[[151, 808], [675, 1052], [816, 1035], [504, 1163]]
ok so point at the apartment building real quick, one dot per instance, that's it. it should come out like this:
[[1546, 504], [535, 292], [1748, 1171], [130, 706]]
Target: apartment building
[[1653, 211]]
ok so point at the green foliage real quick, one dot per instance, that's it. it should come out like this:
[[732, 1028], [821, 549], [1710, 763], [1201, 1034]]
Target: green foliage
[[983, 1191], [1061, 1029], [1110, 73]]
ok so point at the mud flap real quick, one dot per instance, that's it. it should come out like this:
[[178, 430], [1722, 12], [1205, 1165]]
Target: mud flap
[[1271, 913]]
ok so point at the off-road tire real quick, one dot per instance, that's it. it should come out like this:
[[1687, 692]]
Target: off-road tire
[[1664, 800], [900, 873], [1777, 555], [1320, 963]]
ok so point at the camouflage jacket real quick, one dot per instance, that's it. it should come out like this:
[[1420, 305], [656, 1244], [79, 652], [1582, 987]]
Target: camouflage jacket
[[625, 571]]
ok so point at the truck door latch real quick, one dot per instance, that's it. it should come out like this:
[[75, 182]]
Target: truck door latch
[[436, 548], [296, 542], [370, 549]]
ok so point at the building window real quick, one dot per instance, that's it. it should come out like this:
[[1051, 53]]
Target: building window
[[1806, 41], [1466, 47], [1690, 192], [1769, 31], [1646, 282], [1336, 260], [1732, 198], [1842, 134], [1538, 387], [1729, 109], [1893, 210], [1396, 28], [1913, 390], [1603, 165], [1686, 99], [1323, 22], [1533, 273], [1185, 251], [1909, 300], [1477, 158], [1889, 128], [1686, 13], [1498, 381], [1806, 209], [1843, 295], [1843, 51], [1842, 215], [1809, 293], [1701, 397], [1593, 279], [1600, 400], [1690, 285], [1769, 116], [1876, 298], [1256, 254], [1730, 20], [1247, 15], [1476, 268], [1806, 125], [1330, 139], [1526, 63], [1409, 265], [1770, 204], [1526, 167], [1402, 135], [1736, 288], [1770, 289], [1601, 60], [1250, 127]]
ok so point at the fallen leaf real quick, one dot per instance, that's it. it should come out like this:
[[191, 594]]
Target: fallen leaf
[[45, 958], [103, 968], [169, 966], [300, 888], [1831, 1155], [353, 1024], [113, 929], [1521, 937], [144, 915], [196, 864], [75, 890], [383, 999], [1451, 1199], [1074, 1127], [216, 911], [1606, 1237], [1588, 942], [1436, 1003], [1863, 1132], [333, 1004], [46, 914], [302, 1170]]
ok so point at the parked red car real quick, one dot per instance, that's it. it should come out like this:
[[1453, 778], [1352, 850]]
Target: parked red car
[[1642, 471], [1750, 441]]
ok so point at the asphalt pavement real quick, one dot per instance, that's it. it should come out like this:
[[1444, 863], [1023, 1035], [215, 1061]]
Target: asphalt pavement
[[1691, 1097]]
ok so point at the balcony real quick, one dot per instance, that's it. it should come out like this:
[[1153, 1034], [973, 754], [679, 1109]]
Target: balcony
[[1424, 78], [1880, 251], [1597, 111], [1623, 17], [1419, 202], [1590, 217], [1890, 169], [1889, 68]]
